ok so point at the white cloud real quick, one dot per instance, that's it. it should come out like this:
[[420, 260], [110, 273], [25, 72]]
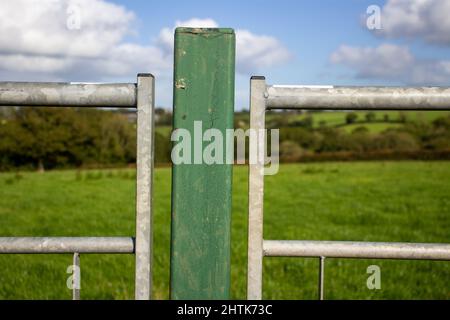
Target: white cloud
[[392, 62], [253, 52], [445, 65], [256, 52], [425, 19], [408, 19], [387, 60], [40, 27], [35, 39], [165, 38], [36, 42], [32, 63]]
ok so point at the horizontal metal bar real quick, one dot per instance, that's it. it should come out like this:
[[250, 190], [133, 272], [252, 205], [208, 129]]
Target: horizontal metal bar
[[67, 94], [349, 249], [357, 98], [67, 245]]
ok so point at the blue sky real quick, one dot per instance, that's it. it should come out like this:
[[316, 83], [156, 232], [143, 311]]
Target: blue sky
[[311, 30], [288, 41]]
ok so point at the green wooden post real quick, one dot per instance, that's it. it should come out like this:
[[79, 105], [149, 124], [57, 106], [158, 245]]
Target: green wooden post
[[201, 193]]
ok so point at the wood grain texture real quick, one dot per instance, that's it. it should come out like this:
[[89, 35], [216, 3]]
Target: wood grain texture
[[201, 193]]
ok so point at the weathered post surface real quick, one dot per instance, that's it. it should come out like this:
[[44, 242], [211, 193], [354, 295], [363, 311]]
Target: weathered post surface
[[201, 193]]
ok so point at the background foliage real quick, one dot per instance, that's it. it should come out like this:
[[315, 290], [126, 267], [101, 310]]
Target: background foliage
[[46, 138]]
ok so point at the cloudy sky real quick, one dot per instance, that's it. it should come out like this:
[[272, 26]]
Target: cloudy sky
[[288, 41]]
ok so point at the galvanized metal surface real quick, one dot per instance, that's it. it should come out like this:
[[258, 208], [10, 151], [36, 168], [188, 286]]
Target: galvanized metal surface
[[144, 176], [264, 98], [201, 192], [256, 190], [66, 245], [140, 96], [362, 250], [76, 277], [321, 276], [354, 98], [67, 94]]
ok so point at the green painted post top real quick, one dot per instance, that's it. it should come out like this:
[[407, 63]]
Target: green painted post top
[[204, 75], [207, 31]]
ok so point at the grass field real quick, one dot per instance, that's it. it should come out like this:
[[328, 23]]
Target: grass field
[[376, 127], [335, 118], [164, 130], [372, 201]]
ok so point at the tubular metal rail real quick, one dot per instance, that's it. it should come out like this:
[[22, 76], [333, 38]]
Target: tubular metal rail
[[138, 95], [264, 97]]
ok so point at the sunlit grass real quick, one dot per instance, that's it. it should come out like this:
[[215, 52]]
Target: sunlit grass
[[374, 201]]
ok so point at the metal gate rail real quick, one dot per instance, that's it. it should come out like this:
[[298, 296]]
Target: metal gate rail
[[353, 249], [139, 96], [37, 245], [264, 97]]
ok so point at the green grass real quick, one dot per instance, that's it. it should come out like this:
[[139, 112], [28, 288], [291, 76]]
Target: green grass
[[337, 119], [376, 127], [164, 130], [373, 201]]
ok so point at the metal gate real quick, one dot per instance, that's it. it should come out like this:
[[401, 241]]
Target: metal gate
[[264, 97], [138, 95]]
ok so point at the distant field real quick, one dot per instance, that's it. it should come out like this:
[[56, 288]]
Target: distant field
[[334, 119], [373, 201], [164, 130], [372, 127], [337, 119]]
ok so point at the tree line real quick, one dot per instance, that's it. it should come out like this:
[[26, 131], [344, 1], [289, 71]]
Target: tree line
[[414, 139], [47, 138]]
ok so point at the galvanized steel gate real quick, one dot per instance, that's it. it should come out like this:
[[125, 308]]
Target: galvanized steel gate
[[138, 95], [195, 252], [264, 97]]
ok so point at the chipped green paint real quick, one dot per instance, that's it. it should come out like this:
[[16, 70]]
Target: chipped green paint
[[201, 193]]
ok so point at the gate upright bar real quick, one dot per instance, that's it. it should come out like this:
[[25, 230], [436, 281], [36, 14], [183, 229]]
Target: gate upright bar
[[256, 187], [264, 97], [201, 192], [144, 185]]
